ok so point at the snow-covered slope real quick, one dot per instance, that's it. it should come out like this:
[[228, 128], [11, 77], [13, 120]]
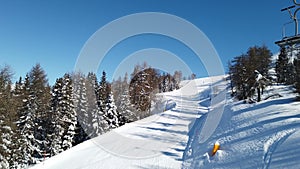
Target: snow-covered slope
[[260, 135], [155, 142]]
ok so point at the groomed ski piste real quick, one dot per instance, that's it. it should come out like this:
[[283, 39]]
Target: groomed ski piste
[[258, 135]]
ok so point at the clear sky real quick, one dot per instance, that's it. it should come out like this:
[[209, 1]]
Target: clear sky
[[53, 32]]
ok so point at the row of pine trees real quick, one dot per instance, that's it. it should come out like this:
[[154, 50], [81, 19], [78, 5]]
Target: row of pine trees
[[250, 73], [38, 121]]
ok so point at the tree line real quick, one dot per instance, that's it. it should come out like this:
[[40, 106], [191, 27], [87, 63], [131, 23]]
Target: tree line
[[249, 73], [38, 121]]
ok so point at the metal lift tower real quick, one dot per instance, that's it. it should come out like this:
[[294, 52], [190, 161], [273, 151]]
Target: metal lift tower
[[291, 43]]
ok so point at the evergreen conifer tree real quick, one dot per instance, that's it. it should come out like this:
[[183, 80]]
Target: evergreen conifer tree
[[126, 109], [56, 130], [111, 113], [80, 102], [39, 105], [297, 69], [26, 126], [282, 66], [6, 131], [243, 71], [69, 117]]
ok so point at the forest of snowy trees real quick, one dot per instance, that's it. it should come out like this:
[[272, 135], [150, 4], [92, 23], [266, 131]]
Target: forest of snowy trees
[[38, 121], [249, 73]]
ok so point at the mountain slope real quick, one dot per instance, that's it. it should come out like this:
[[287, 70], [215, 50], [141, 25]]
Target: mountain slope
[[154, 142], [260, 135]]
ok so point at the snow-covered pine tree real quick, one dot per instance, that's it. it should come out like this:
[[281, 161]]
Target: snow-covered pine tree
[[69, 116], [3, 161], [26, 127], [126, 109], [164, 83], [90, 124], [169, 83], [5, 139], [96, 107], [120, 89], [6, 132], [111, 113], [172, 83], [39, 104], [80, 102], [55, 130], [291, 73], [100, 120], [103, 92], [63, 116], [16, 156], [281, 66]]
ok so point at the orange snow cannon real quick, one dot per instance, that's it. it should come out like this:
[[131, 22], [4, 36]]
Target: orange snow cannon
[[215, 149]]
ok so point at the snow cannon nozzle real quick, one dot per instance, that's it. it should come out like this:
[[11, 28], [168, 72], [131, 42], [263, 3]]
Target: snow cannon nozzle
[[216, 148]]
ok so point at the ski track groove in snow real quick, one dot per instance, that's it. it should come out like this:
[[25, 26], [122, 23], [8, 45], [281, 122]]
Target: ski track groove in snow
[[272, 143], [158, 141], [259, 135]]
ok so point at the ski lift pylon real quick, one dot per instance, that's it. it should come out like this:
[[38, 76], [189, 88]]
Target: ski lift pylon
[[291, 41]]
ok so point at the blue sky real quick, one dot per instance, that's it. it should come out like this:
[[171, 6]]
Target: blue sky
[[53, 33]]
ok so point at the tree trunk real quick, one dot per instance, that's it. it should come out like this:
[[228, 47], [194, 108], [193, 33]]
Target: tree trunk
[[258, 94]]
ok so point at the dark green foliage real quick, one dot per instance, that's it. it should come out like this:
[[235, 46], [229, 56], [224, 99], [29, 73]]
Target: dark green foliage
[[281, 66], [55, 128], [243, 68], [7, 116], [103, 91], [288, 67], [297, 69], [32, 123], [38, 121], [285, 70], [62, 117]]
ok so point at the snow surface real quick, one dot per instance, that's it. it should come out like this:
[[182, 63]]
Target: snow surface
[[154, 142], [259, 135]]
